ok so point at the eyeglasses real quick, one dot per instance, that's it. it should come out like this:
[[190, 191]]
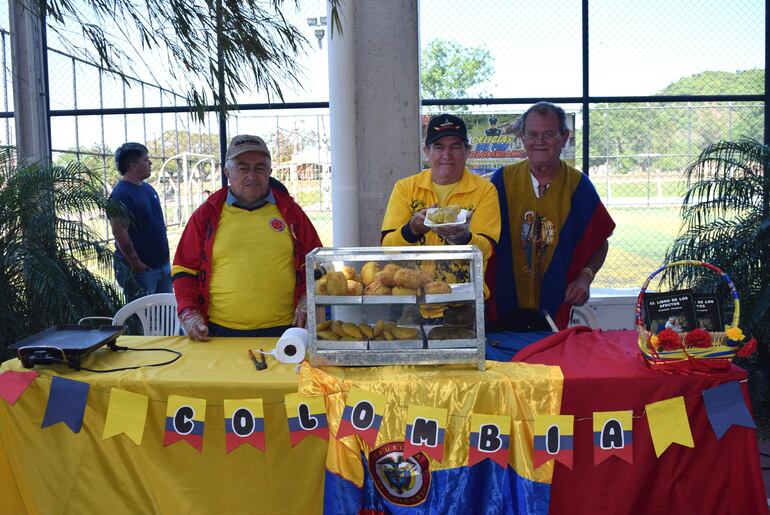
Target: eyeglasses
[[545, 136]]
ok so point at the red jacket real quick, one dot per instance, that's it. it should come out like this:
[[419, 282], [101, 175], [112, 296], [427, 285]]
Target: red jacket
[[195, 247]]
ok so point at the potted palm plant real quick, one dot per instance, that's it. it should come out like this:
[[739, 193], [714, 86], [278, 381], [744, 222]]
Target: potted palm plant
[[50, 257]]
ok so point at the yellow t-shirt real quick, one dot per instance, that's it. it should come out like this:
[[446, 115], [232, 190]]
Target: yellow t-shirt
[[252, 270], [442, 192]]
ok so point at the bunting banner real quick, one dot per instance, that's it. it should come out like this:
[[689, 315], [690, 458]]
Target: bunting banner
[[668, 424], [244, 423], [66, 403], [726, 407], [553, 439], [425, 431], [185, 418], [490, 438], [13, 384], [307, 417], [613, 435], [362, 415], [126, 413]]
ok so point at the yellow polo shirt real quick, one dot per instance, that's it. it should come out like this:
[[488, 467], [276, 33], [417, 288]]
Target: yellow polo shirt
[[252, 270]]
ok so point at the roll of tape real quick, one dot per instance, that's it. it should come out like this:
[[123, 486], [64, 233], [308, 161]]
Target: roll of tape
[[291, 346]]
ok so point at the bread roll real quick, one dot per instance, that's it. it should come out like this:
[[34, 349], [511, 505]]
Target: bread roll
[[385, 278], [368, 271], [336, 283], [392, 268], [350, 273], [376, 288], [437, 287], [407, 278], [397, 290], [355, 288]]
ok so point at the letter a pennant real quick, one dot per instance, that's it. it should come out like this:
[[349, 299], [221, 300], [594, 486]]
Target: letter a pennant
[[425, 431], [362, 415], [613, 435], [307, 417], [244, 423], [185, 417], [553, 439], [490, 438], [668, 424], [126, 413]]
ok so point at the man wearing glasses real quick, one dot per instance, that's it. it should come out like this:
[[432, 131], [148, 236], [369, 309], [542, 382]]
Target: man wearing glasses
[[447, 182], [239, 269], [566, 223], [141, 245]]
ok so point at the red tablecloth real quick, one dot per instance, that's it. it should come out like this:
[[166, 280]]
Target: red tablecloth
[[602, 372]]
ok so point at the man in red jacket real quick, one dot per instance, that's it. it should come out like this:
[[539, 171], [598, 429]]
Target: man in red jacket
[[239, 269]]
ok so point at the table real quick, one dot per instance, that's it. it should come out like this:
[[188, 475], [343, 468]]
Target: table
[[53, 470]]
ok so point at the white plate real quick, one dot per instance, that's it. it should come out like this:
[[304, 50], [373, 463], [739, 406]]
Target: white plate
[[460, 218]]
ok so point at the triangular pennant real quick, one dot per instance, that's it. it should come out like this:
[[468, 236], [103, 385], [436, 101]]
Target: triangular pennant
[[425, 431], [13, 384], [244, 423], [126, 413], [613, 435], [362, 415], [726, 407], [553, 439], [490, 437], [66, 403], [306, 416], [185, 419], [669, 424]]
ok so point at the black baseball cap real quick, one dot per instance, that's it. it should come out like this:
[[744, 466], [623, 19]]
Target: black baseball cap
[[445, 125]]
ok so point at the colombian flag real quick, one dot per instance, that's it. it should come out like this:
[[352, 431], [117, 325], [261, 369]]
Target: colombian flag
[[425, 429], [490, 438], [184, 421], [244, 423], [576, 224], [612, 435], [368, 479], [307, 417], [553, 439], [362, 415]]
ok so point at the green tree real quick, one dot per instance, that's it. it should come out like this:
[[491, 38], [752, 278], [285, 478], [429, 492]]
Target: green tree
[[218, 47], [46, 248], [97, 158], [450, 70]]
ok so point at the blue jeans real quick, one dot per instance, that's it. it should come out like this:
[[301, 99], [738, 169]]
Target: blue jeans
[[137, 285]]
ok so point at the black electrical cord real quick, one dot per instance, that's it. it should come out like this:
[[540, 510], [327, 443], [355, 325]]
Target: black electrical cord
[[117, 348]]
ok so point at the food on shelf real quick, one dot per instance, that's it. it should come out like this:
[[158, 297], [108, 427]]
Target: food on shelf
[[323, 326], [444, 215], [391, 267], [355, 288], [350, 273], [437, 287], [397, 290], [444, 332], [385, 278], [376, 288], [460, 315], [337, 330], [405, 333], [378, 328], [408, 278], [352, 330], [366, 329], [336, 283], [368, 271], [328, 335], [320, 286]]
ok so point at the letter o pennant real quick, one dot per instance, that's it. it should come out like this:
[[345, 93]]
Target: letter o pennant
[[244, 423]]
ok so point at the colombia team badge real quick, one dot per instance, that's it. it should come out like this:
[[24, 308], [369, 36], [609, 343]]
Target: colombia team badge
[[277, 224], [402, 481]]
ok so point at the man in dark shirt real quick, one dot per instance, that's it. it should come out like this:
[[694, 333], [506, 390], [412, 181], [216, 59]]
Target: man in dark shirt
[[141, 256]]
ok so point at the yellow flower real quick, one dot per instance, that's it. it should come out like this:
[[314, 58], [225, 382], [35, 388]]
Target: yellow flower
[[734, 333], [654, 342]]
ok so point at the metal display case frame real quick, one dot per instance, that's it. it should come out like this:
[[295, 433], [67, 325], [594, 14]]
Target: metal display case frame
[[359, 353]]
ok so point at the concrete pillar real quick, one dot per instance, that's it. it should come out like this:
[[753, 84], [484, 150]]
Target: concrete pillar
[[382, 115], [30, 90]]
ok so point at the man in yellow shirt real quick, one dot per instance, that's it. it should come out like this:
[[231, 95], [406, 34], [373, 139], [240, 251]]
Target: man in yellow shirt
[[446, 182], [239, 269]]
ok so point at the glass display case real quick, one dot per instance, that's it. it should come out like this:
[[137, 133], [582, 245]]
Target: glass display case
[[395, 306]]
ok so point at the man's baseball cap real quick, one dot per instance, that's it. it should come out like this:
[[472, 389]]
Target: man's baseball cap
[[445, 125], [246, 143]]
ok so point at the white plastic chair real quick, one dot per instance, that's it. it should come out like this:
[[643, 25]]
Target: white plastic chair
[[583, 315], [157, 313]]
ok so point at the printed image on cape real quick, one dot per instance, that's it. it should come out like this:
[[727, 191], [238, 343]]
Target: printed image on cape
[[585, 227]]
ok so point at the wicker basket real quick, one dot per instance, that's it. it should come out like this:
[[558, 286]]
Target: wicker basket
[[689, 359]]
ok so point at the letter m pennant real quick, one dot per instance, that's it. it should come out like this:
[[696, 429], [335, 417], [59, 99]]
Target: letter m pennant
[[425, 431]]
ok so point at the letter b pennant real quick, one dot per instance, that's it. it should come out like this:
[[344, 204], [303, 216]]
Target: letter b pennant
[[490, 438]]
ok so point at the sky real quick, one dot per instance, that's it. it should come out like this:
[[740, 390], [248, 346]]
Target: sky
[[636, 48]]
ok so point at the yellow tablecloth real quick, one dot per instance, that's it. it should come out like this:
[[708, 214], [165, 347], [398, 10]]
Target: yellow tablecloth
[[54, 470]]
